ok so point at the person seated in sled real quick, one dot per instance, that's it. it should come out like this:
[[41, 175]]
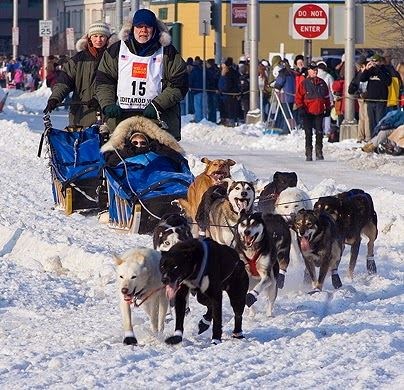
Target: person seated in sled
[[139, 135]]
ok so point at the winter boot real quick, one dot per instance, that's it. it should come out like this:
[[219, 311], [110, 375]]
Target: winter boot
[[309, 154], [319, 153]]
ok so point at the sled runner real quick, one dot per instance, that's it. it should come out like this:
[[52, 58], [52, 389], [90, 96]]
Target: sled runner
[[75, 165]]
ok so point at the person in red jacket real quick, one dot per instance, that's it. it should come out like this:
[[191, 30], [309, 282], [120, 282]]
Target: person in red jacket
[[313, 104]]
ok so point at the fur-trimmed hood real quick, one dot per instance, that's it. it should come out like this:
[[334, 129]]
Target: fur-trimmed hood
[[164, 39], [139, 124], [82, 43]]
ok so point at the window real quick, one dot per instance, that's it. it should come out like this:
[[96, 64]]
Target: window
[[163, 12]]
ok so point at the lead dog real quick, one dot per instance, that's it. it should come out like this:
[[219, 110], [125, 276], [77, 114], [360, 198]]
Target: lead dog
[[263, 245], [139, 278], [215, 171], [354, 213], [320, 246], [207, 268]]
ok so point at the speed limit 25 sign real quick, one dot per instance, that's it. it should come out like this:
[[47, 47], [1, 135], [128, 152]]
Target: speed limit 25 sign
[[45, 28]]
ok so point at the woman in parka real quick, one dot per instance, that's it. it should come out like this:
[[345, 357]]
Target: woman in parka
[[143, 74], [78, 76]]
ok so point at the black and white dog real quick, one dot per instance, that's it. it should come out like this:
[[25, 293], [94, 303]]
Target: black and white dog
[[207, 268], [172, 228], [263, 243], [320, 245]]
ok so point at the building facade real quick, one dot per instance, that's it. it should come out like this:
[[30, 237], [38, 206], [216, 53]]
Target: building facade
[[182, 16]]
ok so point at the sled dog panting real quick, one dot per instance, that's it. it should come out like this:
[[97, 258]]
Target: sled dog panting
[[354, 213], [171, 229], [320, 245], [257, 250], [225, 212], [207, 268], [214, 173], [139, 279]]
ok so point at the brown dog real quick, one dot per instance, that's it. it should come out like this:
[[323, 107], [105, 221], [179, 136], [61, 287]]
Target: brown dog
[[214, 173]]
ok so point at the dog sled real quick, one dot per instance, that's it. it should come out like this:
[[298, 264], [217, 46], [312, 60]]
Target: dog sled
[[141, 188], [75, 165]]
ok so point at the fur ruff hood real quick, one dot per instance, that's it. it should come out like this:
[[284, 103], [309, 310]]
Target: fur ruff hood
[[164, 39], [139, 124], [82, 43]]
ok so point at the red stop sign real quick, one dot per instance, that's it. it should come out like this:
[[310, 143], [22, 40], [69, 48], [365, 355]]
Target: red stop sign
[[310, 21]]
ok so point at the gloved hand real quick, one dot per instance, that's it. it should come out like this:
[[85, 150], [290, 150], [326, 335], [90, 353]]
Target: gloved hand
[[52, 104], [93, 104], [150, 111], [113, 111]]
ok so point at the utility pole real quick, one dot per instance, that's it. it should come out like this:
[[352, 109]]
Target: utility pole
[[15, 33], [254, 115], [349, 126], [44, 38], [218, 31], [118, 10]]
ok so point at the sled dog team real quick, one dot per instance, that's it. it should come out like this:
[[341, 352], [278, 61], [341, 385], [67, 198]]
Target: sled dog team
[[241, 249]]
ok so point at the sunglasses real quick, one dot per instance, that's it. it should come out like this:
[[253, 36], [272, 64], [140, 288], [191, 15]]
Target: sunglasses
[[139, 143]]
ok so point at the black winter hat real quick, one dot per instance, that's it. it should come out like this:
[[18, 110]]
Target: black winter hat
[[228, 61]]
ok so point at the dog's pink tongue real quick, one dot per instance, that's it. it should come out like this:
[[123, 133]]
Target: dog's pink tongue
[[304, 244], [170, 292]]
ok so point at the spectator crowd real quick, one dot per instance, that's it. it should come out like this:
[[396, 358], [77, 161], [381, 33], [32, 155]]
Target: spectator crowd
[[377, 89]]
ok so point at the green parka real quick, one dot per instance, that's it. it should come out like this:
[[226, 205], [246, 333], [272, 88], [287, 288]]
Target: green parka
[[174, 80], [78, 76]]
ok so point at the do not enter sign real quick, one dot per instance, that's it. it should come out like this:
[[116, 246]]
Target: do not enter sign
[[310, 21]]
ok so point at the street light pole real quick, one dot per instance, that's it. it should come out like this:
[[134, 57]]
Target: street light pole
[[15, 29], [118, 11], [218, 31], [45, 58], [349, 126], [134, 5], [254, 115]]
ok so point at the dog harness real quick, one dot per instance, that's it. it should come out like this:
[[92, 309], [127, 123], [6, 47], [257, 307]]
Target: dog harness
[[252, 263]]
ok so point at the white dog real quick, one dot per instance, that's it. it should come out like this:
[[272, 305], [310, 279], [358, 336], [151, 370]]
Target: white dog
[[139, 282], [290, 201]]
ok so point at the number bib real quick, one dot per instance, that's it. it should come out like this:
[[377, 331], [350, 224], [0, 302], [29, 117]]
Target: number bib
[[139, 78]]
